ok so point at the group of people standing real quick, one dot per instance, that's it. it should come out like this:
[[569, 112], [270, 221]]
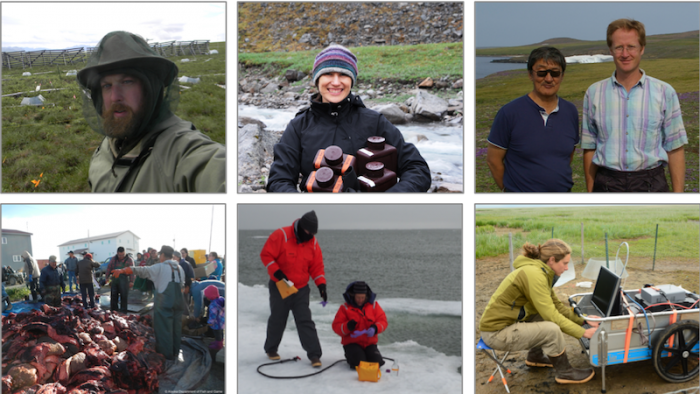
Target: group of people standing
[[171, 277]]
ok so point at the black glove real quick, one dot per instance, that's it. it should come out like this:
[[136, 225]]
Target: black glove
[[350, 182], [322, 290], [280, 275], [351, 325]]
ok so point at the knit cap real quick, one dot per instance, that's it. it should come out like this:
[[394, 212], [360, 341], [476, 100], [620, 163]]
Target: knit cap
[[309, 222], [335, 58], [360, 288], [211, 292]]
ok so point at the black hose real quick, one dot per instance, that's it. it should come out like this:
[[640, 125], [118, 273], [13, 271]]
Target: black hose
[[297, 358]]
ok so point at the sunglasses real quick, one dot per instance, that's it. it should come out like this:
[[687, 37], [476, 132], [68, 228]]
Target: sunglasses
[[543, 73]]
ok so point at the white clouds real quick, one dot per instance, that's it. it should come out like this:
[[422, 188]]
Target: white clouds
[[66, 25]]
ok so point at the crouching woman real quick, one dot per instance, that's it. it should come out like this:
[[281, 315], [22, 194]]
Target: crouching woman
[[525, 314], [358, 321]]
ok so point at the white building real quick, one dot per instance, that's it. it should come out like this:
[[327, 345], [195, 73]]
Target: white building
[[101, 246]]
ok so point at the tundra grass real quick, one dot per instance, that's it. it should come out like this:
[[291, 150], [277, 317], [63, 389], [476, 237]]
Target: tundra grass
[[679, 229], [400, 63], [48, 148]]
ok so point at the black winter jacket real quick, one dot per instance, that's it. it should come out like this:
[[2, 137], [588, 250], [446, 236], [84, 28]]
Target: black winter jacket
[[347, 124]]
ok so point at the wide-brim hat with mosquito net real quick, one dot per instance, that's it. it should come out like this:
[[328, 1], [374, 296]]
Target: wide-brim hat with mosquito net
[[121, 52]]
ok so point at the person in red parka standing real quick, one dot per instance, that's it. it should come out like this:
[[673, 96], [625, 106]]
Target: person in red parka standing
[[292, 253], [358, 321]]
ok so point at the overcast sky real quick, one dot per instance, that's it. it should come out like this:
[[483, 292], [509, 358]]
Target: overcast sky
[[155, 225], [501, 24], [352, 217], [70, 25]]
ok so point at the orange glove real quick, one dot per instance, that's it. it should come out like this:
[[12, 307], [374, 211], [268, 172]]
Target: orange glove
[[118, 272]]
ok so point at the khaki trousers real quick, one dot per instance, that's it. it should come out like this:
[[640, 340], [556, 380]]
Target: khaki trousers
[[528, 335]]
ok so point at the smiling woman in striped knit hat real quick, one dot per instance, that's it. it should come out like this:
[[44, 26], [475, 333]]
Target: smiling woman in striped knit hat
[[337, 117]]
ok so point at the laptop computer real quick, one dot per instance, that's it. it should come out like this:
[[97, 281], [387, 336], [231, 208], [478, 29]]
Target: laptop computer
[[606, 295]]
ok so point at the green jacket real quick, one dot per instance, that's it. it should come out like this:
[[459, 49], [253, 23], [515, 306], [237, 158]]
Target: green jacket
[[181, 160], [529, 286]]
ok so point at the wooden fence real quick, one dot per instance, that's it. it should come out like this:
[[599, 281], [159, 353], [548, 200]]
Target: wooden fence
[[48, 57]]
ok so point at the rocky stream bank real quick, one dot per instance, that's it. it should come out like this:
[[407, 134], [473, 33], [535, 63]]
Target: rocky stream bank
[[435, 102]]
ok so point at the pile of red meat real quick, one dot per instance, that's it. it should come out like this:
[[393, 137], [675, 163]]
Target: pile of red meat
[[72, 350]]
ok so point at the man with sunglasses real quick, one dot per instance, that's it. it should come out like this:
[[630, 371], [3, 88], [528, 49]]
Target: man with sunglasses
[[533, 138], [632, 125]]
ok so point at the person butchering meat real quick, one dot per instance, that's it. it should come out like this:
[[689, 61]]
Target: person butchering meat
[[120, 286], [168, 278], [87, 288], [31, 268], [51, 283]]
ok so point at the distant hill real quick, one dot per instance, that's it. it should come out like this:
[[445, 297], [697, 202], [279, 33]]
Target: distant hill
[[20, 49], [556, 41], [660, 46]]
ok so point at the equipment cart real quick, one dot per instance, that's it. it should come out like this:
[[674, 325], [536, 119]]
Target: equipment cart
[[672, 346]]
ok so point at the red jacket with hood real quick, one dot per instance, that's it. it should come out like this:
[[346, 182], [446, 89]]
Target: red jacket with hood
[[370, 313], [298, 261]]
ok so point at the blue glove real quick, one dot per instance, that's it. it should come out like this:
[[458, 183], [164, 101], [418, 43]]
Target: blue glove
[[370, 332], [357, 333], [30, 277], [323, 303]]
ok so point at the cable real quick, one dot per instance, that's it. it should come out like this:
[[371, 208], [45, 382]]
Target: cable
[[297, 358], [646, 317], [668, 303]]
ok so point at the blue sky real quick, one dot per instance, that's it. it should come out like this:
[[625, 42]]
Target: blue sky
[[523, 23]]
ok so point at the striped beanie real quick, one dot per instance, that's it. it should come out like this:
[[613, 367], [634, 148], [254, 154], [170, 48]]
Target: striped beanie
[[335, 58]]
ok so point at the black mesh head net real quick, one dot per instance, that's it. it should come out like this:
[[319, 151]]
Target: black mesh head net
[[120, 52]]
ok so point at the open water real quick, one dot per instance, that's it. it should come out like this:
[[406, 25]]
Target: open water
[[483, 66]]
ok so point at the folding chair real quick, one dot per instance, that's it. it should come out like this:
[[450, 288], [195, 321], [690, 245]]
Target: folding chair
[[499, 364]]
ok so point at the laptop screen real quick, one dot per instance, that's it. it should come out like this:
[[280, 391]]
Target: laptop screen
[[606, 294]]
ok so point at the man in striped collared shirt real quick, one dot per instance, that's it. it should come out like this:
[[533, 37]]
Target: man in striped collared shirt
[[632, 125]]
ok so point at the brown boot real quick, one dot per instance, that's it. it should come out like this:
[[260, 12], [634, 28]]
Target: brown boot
[[535, 358], [273, 356], [566, 374]]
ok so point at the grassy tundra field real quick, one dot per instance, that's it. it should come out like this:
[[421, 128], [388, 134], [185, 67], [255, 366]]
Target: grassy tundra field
[[48, 148], [398, 63], [672, 58]]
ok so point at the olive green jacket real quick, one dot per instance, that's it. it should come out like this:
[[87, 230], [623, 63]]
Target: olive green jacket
[[529, 286], [181, 160]]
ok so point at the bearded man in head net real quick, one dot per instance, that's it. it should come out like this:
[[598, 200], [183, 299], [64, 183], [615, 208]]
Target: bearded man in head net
[[129, 95]]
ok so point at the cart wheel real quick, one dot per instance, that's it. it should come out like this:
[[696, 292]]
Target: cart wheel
[[677, 363], [12, 281]]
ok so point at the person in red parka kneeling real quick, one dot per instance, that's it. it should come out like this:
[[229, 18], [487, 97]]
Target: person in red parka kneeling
[[358, 321]]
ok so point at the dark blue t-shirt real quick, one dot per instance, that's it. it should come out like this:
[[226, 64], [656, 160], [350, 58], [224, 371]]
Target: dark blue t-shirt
[[538, 157]]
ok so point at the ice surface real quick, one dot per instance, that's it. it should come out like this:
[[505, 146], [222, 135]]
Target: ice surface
[[422, 369]]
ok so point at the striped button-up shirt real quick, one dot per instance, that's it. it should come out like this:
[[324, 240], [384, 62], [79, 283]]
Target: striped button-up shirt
[[632, 131]]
